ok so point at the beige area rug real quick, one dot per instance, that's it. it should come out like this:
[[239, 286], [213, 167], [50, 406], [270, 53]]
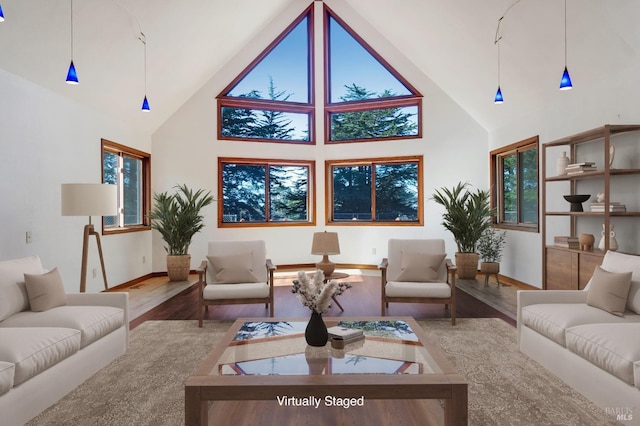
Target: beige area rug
[[145, 386]]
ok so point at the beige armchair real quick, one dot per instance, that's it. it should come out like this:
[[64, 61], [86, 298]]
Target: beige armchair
[[235, 272], [417, 271]]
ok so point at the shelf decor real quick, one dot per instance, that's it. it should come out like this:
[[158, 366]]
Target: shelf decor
[[576, 201], [561, 165]]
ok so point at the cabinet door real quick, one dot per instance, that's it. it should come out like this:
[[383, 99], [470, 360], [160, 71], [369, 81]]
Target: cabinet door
[[588, 262], [562, 269]]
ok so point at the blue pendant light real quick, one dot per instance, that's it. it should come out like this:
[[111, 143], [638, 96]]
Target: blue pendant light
[[1, 14], [72, 75], [498, 99], [145, 102], [565, 81]]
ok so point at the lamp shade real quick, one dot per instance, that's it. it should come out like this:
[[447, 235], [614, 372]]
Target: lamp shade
[[72, 75], [498, 99], [89, 199], [325, 243], [565, 80]]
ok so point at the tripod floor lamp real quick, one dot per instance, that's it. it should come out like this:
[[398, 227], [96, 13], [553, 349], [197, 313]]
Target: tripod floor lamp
[[89, 199]]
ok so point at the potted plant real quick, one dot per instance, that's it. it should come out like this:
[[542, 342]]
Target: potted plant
[[467, 215], [490, 248], [177, 217]]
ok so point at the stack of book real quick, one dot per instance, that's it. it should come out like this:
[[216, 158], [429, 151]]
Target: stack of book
[[614, 207], [349, 335], [566, 242], [577, 168]]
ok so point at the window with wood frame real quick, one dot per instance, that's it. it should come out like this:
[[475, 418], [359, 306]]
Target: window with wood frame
[[274, 100], [130, 170], [514, 180], [385, 191], [259, 192]]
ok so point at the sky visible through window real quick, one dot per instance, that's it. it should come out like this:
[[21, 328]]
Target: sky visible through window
[[286, 65], [349, 59]]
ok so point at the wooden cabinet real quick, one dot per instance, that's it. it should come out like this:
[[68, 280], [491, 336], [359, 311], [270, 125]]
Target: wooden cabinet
[[565, 268], [570, 269]]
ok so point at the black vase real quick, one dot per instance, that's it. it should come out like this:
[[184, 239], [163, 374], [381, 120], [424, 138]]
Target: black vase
[[316, 332]]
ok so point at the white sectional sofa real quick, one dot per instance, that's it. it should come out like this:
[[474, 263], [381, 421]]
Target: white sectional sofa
[[45, 354], [591, 349]]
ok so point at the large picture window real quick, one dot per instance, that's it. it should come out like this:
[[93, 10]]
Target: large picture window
[[265, 192], [514, 175], [382, 191], [129, 169], [274, 99]]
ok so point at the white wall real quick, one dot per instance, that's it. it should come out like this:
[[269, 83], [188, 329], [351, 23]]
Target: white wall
[[185, 150], [588, 105], [47, 140]]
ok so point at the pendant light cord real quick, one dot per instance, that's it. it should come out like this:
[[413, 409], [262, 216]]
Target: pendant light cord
[[565, 33], [143, 39], [72, 30]]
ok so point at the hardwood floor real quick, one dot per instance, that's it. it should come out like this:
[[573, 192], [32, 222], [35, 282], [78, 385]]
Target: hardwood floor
[[363, 299]]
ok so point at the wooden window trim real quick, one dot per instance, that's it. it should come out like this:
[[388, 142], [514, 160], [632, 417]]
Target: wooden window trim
[[116, 148], [311, 204], [329, 164], [496, 190]]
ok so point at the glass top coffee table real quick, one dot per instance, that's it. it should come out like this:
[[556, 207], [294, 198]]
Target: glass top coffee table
[[268, 359]]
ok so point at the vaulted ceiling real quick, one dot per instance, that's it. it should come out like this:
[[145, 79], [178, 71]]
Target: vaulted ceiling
[[450, 42]]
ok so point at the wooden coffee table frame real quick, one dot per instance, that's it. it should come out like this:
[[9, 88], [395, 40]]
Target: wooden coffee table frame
[[448, 385]]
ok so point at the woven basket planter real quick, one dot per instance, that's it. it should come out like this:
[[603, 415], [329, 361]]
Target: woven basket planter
[[490, 267], [178, 267], [467, 264]]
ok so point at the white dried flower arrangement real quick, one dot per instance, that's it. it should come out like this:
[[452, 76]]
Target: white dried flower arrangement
[[314, 293]]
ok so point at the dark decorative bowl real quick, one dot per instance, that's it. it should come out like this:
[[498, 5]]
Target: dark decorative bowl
[[576, 201]]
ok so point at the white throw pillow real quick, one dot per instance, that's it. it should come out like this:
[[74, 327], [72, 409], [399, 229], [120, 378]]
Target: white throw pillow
[[419, 267], [13, 294], [233, 269], [609, 291], [45, 291], [621, 262]]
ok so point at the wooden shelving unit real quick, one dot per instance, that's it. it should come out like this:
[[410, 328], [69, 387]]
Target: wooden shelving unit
[[566, 268]]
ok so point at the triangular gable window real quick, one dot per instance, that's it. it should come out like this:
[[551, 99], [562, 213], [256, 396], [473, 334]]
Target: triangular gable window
[[272, 99], [365, 98]]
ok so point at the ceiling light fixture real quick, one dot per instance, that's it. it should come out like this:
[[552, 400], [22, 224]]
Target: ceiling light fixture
[[498, 98], [72, 75], [1, 14], [145, 102], [565, 81]]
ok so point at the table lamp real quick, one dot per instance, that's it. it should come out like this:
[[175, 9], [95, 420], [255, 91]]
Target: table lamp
[[325, 243], [89, 199]]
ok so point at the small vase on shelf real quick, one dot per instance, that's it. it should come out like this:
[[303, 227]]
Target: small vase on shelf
[[563, 162], [316, 333], [613, 243]]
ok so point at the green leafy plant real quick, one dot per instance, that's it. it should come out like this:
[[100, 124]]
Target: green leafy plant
[[491, 244], [467, 216], [177, 217]]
